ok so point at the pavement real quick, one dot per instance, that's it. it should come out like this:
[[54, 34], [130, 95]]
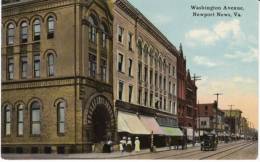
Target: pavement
[[113, 155]]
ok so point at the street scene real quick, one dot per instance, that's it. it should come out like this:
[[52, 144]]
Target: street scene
[[129, 79]]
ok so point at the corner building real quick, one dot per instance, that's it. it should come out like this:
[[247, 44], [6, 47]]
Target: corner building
[[145, 78], [57, 93]]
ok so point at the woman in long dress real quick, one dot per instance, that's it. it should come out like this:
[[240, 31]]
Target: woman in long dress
[[137, 144]]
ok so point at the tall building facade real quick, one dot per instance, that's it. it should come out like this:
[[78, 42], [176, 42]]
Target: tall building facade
[[145, 76], [57, 84]]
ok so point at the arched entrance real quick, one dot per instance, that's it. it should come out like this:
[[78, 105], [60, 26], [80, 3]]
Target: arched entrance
[[99, 121]]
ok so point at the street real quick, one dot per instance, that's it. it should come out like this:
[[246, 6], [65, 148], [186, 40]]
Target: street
[[235, 150]]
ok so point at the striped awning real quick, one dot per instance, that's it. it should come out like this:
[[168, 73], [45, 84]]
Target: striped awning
[[151, 124], [169, 131]]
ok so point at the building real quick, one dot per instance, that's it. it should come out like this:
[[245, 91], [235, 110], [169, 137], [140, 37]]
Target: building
[[233, 119], [206, 117], [145, 76], [57, 84], [73, 72]]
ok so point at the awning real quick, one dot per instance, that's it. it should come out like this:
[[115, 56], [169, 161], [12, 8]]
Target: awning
[[130, 123], [151, 124], [172, 131]]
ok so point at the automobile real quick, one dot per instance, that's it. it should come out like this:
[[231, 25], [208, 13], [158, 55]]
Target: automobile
[[209, 142]]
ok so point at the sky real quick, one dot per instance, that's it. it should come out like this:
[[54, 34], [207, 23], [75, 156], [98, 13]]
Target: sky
[[222, 50]]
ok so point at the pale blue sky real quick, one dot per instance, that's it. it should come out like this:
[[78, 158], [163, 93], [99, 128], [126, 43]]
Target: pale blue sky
[[223, 50]]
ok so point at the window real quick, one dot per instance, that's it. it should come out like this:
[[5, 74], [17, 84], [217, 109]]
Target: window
[[170, 106], [92, 65], [145, 98], [156, 78], [174, 108], [130, 35], [20, 120], [139, 46], [164, 104], [160, 81], [120, 62], [130, 93], [104, 31], [169, 68], [10, 71], [151, 99], [36, 30], [23, 60], [120, 90], [130, 62], [10, 34], [151, 77], [7, 120], [24, 32], [36, 64], [61, 117], [139, 96], [103, 68], [35, 118], [50, 65], [140, 71], [170, 87], [173, 70], [160, 102], [145, 73], [120, 34], [164, 83], [50, 33], [92, 29], [173, 89]]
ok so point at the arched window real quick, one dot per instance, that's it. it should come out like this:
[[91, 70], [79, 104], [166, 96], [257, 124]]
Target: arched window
[[50, 65], [35, 118], [20, 120], [50, 33], [24, 32], [10, 34], [61, 117], [36, 30], [104, 33], [7, 120], [92, 29]]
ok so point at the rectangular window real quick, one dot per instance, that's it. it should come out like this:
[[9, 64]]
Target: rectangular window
[[173, 70], [36, 122], [104, 40], [169, 68], [151, 77], [164, 83], [7, 121], [130, 62], [160, 81], [139, 96], [173, 89], [36, 66], [170, 87], [92, 65], [130, 93], [120, 34], [145, 98], [130, 35], [61, 118], [20, 122], [156, 79], [103, 69], [120, 62], [140, 72], [151, 100], [164, 104], [145, 73], [120, 90], [10, 71], [160, 103]]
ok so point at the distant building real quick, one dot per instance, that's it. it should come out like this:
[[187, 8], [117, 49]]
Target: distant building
[[233, 119], [206, 116]]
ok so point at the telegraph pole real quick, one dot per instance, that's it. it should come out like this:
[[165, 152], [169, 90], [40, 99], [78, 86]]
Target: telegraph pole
[[217, 94], [230, 117], [195, 78]]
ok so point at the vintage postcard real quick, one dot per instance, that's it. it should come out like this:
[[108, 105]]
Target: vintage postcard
[[129, 79]]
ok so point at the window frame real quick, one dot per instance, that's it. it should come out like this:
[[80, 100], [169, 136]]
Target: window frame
[[59, 121], [92, 65], [10, 68], [24, 63], [50, 65], [20, 108], [50, 30], [31, 118], [35, 62], [120, 90], [7, 108], [23, 33], [10, 34], [36, 34]]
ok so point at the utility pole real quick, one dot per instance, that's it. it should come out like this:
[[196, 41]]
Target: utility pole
[[195, 78], [217, 94], [230, 117]]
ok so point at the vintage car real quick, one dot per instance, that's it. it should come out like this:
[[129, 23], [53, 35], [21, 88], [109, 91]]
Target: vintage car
[[209, 142]]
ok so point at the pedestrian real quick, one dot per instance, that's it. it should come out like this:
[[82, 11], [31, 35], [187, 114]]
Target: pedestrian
[[122, 145], [129, 145], [110, 145], [137, 144]]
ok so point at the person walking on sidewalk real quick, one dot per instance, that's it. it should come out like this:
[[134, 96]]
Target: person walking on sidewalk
[[129, 145], [137, 144], [122, 145]]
